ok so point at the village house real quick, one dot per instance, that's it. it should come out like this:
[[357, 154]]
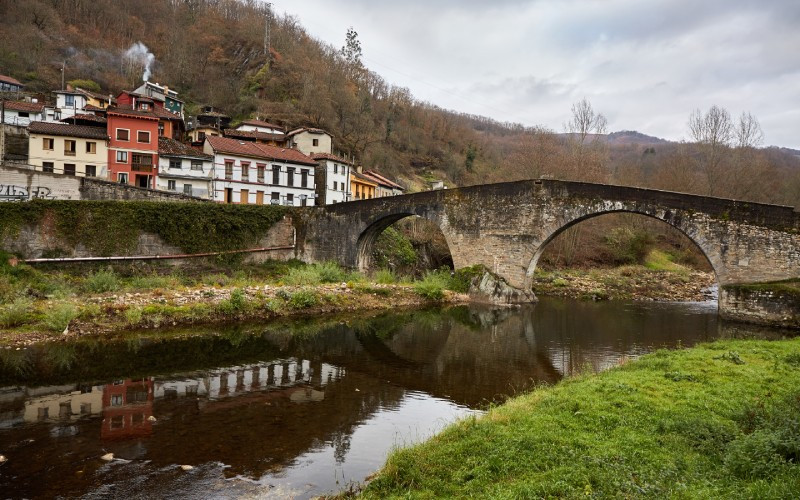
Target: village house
[[133, 147], [169, 123], [260, 126], [362, 187], [166, 98], [248, 172], [62, 148], [333, 178], [385, 187], [184, 169], [68, 103], [310, 140], [21, 113], [269, 138], [8, 84], [208, 123]]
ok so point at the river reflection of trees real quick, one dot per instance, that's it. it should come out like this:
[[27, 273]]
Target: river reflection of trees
[[258, 397]]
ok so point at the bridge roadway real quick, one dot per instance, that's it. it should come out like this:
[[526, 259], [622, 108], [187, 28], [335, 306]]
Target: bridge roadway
[[506, 226]]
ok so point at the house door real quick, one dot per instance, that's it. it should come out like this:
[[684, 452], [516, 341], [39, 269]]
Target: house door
[[259, 197], [228, 195], [143, 181]]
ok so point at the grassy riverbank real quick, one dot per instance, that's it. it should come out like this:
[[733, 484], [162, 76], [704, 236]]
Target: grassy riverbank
[[41, 305], [659, 277], [715, 421]]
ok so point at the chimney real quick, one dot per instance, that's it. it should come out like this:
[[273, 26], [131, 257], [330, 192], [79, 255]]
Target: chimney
[[360, 169]]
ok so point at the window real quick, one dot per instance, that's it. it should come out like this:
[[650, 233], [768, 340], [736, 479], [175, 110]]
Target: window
[[143, 137], [144, 106], [69, 101], [160, 129], [171, 185], [122, 157], [290, 176], [245, 171], [335, 185], [290, 199], [175, 164], [48, 143], [91, 171], [123, 134], [116, 400], [69, 147], [260, 173], [315, 142], [187, 189], [303, 199], [122, 178], [274, 198], [141, 162], [91, 147], [276, 174], [201, 137], [47, 166], [197, 165], [335, 168], [304, 178], [229, 170], [23, 114], [69, 169]]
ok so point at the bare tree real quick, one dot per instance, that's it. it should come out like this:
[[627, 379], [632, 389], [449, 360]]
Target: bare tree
[[713, 132], [748, 133], [585, 120], [586, 159]]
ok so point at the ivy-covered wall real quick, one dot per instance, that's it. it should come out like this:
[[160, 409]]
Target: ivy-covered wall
[[105, 228]]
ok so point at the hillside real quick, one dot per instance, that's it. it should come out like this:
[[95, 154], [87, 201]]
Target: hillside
[[213, 53]]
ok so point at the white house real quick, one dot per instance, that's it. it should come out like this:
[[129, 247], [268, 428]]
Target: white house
[[260, 126], [184, 169], [310, 140], [22, 113], [333, 178], [70, 102], [249, 172]]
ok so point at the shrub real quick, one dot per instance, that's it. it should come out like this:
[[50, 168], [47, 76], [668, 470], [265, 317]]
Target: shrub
[[57, 318], [101, 281], [236, 304], [628, 246], [303, 299], [385, 276], [432, 286], [330, 272], [303, 276], [133, 315], [90, 311], [461, 280], [16, 313]]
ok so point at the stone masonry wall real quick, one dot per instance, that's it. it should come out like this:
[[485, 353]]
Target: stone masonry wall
[[760, 305]]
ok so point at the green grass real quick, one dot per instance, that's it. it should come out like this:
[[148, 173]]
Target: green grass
[[657, 260], [715, 421], [432, 286], [57, 318]]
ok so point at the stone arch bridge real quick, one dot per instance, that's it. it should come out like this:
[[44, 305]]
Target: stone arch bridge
[[506, 226]]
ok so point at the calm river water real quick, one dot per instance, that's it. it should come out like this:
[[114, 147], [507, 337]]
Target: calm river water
[[295, 409]]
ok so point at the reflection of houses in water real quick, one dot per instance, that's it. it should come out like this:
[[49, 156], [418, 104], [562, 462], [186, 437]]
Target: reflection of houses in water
[[127, 405], [235, 380], [68, 402]]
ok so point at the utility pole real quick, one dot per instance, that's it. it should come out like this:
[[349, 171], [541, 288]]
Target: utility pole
[[63, 67]]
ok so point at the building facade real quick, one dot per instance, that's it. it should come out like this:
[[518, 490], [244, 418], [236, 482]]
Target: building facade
[[260, 126], [333, 179], [8, 84], [310, 140], [74, 150], [133, 146], [252, 173], [386, 187], [168, 99], [184, 169], [22, 113], [362, 187]]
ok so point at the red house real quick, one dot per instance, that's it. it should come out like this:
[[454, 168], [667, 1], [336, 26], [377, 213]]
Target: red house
[[133, 149], [169, 124]]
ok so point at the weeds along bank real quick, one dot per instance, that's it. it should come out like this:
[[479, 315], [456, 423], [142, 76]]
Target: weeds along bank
[[714, 421], [38, 306]]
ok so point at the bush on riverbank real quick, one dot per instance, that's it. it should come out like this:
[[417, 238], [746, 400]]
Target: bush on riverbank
[[690, 423]]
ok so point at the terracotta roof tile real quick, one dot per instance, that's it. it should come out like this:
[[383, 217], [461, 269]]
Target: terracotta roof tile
[[171, 147], [8, 79], [256, 150], [308, 129], [328, 156], [35, 107], [259, 123], [129, 111], [86, 117], [383, 180], [67, 130]]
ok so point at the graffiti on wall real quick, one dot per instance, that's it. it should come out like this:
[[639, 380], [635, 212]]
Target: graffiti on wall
[[10, 192]]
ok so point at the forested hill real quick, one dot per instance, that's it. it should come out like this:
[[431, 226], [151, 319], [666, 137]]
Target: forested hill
[[213, 52]]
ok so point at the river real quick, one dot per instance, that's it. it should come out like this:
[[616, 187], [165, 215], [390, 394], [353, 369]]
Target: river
[[300, 408]]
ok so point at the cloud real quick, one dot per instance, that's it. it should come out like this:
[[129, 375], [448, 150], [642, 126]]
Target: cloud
[[646, 65]]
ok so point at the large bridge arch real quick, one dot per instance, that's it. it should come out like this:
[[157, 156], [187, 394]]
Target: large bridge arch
[[711, 252]]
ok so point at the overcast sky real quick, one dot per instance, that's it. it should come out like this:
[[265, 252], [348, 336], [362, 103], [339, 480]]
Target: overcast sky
[[644, 64]]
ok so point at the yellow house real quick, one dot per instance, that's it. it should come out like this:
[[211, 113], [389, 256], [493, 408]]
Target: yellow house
[[61, 148], [96, 99], [361, 186]]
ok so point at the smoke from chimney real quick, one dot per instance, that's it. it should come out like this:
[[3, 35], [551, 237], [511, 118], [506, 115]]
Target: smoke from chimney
[[140, 53]]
